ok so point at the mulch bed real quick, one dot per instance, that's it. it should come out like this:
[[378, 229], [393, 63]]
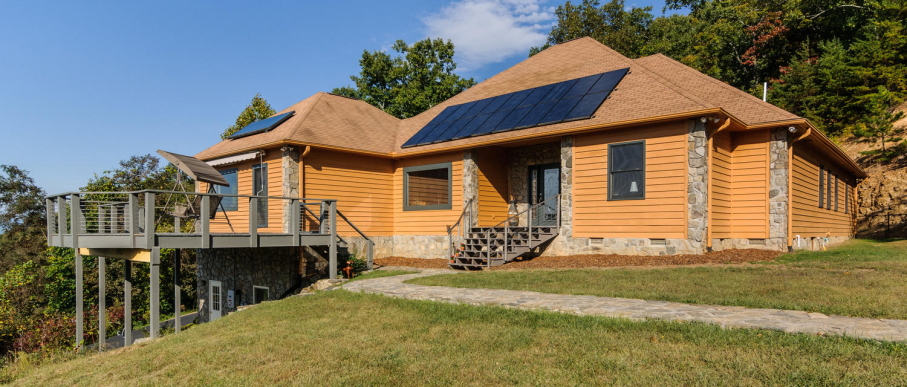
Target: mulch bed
[[602, 260]]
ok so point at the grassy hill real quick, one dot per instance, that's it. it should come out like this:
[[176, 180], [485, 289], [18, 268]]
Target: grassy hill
[[342, 338]]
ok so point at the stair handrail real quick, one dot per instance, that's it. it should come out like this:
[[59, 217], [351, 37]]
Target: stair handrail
[[458, 225], [507, 222], [536, 206], [370, 244]]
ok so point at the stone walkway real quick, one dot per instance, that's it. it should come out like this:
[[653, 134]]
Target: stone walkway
[[726, 316]]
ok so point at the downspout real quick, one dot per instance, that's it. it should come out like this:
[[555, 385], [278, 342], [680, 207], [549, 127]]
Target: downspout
[[708, 229], [790, 183]]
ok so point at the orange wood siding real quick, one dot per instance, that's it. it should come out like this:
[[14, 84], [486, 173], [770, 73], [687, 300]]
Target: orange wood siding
[[361, 184], [428, 222], [722, 177], [749, 187], [662, 214], [492, 163], [240, 219], [808, 219]]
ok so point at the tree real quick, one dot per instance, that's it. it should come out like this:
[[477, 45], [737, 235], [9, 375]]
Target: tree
[[880, 122], [257, 110], [611, 24], [22, 218], [418, 77]]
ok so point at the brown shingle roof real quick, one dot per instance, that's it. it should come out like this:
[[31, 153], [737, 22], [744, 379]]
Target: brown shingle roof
[[323, 119], [656, 86], [639, 95], [745, 107]]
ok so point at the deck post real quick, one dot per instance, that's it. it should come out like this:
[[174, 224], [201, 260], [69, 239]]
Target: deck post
[[102, 304], [61, 218], [149, 220], [132, 218], [49, 216], [295, 227], [206, 222], [127, 303], [75, 220], [177, 303], [154, 326], [253, 222], [332, 251]]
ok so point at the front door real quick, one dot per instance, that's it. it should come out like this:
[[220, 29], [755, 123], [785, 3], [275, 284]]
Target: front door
[[216, 304], [544, 184]]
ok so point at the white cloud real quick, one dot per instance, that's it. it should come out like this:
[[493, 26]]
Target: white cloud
[[489, 31]]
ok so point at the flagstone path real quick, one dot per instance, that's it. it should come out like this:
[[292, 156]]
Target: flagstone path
[[790, 321]]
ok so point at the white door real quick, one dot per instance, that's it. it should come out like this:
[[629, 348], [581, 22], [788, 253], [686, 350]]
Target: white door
[[214, 307]]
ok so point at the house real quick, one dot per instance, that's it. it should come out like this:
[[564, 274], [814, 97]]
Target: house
[[575, 150]]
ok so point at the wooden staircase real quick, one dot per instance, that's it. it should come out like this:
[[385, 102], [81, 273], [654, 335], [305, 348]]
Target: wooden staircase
[[495, 246], [478, 247]]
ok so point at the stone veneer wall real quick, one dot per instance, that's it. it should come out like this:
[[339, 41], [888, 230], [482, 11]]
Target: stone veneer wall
[[519, 161], [698, 185], [241, 269], [471, 185], [290, 164]]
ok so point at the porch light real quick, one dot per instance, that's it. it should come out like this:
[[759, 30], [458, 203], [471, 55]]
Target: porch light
[[633, 187]]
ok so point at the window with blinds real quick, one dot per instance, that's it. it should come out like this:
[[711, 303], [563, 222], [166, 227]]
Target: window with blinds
[[427, 187]]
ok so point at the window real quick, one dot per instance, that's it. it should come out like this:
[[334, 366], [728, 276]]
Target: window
[[259, 294], [836, 193], [846, 198], [821, 186], [229, 203], [828, 190], [427, 187], [627, 171], [260, 188]]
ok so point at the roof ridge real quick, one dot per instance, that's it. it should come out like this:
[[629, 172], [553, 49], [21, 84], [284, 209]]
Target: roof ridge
[[671, 85], [688, 69]]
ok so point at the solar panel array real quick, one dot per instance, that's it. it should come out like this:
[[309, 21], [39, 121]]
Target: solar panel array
[[575, 99], [263, 125]]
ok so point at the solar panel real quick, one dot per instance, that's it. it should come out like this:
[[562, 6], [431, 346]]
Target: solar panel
[[514, 118], [453, 129], [262, 125], [535, 114], [608, 81], [560, 110], [587, 106], [558, 91], [491, 123], [472, 126], [573, 99]]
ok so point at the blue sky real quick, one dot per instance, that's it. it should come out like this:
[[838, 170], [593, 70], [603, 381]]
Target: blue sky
[[84, 85]]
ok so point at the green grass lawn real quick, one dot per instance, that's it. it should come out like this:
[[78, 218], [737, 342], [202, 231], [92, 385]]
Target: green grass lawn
[[344, 338], [859, 278], [381, 273]]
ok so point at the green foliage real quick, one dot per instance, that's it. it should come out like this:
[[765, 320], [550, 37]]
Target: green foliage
[[22, 218], [824, 59], [879, 123], [359, 265], [612, 24], [404, 85], [257, 110]]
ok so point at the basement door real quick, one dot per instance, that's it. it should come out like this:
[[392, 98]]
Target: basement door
[[544, 183], [216, 304]]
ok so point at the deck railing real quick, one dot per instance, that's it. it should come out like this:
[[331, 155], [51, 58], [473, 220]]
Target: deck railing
[[136, 218], [459, 230]]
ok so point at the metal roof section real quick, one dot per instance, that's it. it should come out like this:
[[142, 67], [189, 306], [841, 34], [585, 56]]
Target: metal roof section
[[195, 168]]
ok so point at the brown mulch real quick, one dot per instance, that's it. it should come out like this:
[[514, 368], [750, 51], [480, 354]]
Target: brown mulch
[[602, 260]]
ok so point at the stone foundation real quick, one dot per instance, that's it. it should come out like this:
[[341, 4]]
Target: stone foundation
[[777, 244], [240, 269], [622, 246], [816, 244]]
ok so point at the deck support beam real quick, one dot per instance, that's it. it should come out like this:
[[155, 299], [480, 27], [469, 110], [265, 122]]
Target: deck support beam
[[155, 306], [127, 303], [102, 303], [332, 249], [75, 210], [177, 312]]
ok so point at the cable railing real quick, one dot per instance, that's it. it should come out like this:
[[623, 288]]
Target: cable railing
[[346, 228], [145, 214]]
